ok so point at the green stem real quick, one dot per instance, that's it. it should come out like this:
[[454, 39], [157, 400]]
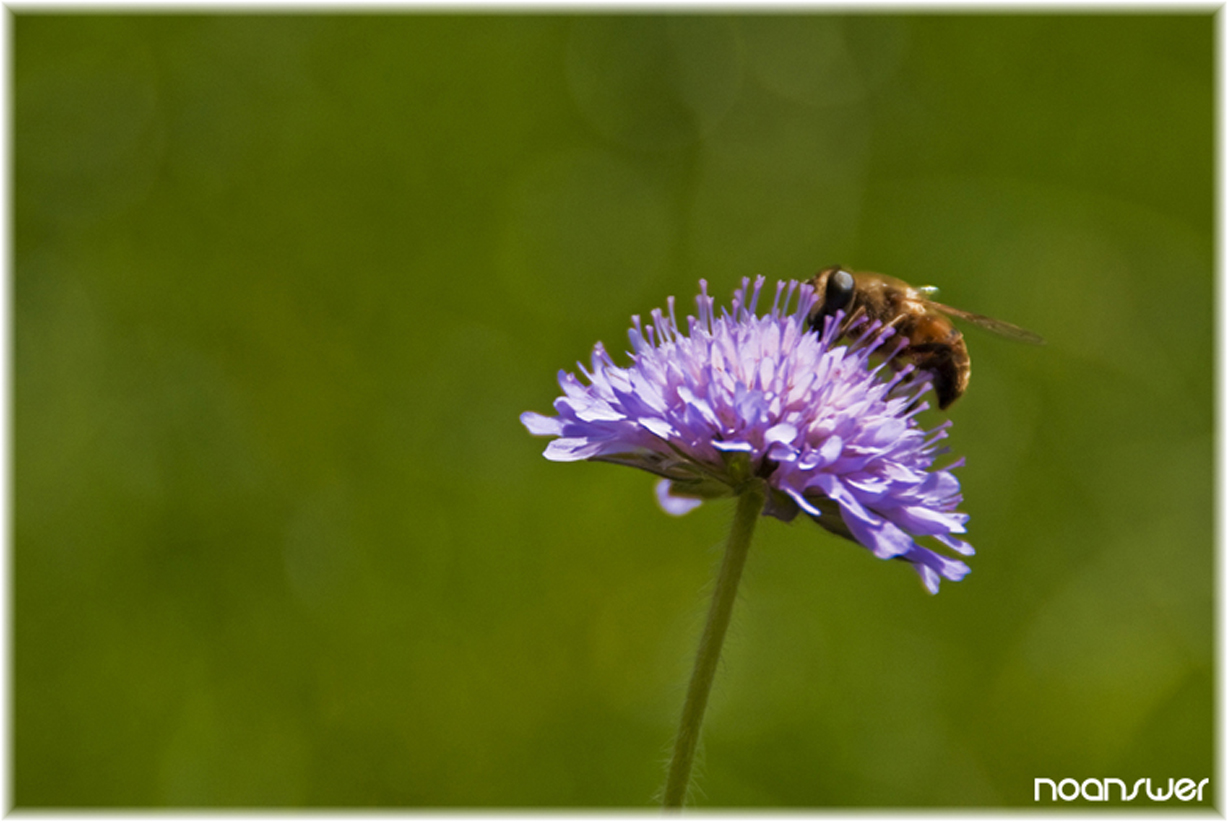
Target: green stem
[[750, 506]]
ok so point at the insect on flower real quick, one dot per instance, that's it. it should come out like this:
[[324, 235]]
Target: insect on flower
[[934, 344], [733, 397]]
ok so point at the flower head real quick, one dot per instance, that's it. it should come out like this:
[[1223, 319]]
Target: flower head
[[743, 398]]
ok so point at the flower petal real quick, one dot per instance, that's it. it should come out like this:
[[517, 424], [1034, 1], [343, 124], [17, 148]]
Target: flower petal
[[659, 427], [931, 565], [570, 449], [782, 432], [673, 504], [540, 425]]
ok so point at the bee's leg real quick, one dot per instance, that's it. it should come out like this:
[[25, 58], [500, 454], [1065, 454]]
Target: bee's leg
[[899, 363]]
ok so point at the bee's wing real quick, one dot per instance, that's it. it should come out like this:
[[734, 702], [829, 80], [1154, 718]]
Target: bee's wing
[[1003, 329]]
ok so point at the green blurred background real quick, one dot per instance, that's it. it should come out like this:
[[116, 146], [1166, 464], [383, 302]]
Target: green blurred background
[[282, 286]]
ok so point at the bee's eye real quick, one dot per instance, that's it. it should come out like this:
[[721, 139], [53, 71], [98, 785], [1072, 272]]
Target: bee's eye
[[837, 296], [839, 291]]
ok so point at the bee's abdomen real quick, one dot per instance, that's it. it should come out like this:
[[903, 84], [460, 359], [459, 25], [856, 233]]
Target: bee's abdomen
[[948, 364]]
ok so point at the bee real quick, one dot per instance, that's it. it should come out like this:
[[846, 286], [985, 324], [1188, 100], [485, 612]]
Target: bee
[[934, 344]]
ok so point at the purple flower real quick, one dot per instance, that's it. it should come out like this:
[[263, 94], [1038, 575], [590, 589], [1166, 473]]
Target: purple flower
[[740, 398]]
